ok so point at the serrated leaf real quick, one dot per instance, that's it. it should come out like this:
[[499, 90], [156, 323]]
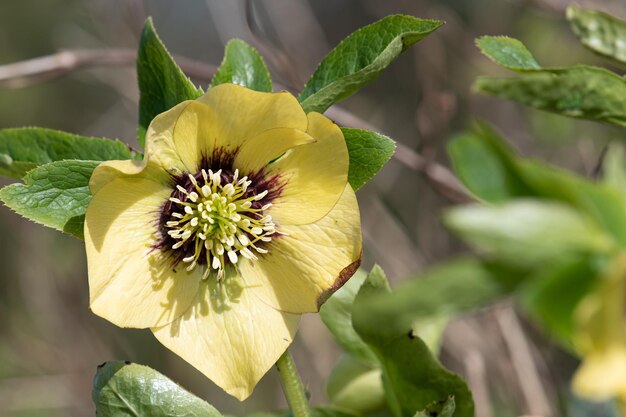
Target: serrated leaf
[[369, 152], [127, 389], [55, 195], [244, 66], [507, 52], [22, 149], [360, 58], [412, 376], [582, 92], [336, 313], [162, 84], [526, 231], [598, 31]]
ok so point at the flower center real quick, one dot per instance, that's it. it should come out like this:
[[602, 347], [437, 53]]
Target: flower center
[[216, 221]]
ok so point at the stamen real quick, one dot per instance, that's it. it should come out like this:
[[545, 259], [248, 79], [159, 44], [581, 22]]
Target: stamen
[[218, 220]]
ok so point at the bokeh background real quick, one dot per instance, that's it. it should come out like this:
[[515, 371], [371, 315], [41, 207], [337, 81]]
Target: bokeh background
[[50, 343]]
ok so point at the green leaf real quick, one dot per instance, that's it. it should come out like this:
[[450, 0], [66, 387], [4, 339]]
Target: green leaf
[[23, 149], [600, 32], [412, 376], [360, 58], [369, 152], [162, 84], [355, 386], [336, 313], [127, 389], [507, 52], [448, 289], [438, 409], [614, 168], [604, 204], [581, 92], [528, 231], [486, 167], [55, 195], [243, 65], [552, 295], [525, 177]]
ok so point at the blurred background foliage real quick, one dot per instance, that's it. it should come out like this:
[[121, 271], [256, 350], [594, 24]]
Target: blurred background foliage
[[50, 343]]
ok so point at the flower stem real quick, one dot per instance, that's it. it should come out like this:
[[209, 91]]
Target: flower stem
[[292, 386]]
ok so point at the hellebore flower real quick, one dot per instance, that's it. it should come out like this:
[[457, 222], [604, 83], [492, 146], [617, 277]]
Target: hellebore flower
[[601, 337], [239, 219]]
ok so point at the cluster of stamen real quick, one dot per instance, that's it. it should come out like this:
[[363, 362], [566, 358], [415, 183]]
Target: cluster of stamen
[[219, 221]]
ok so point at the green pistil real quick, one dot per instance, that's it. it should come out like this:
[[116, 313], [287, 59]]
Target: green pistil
[[219, 219]]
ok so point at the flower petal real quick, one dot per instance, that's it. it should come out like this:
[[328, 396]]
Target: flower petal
[[178, 138], [602, 375], [194, 135], [258, 151], [244, 113], [131, 283], [160, 147], [303, 268], [230, 335], [110, 170], [313, 176]]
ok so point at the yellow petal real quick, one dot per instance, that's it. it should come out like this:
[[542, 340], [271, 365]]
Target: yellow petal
[[110, 170], [131, 283], [303, 268], [244, 113], [602, 375], [194, 135], [230, 335], [161, 147], [313, 175], [258, 151]]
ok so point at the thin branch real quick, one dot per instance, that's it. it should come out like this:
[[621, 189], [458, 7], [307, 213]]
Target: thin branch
[[440, 177], [38, 70], [45, 68], [537, 402]]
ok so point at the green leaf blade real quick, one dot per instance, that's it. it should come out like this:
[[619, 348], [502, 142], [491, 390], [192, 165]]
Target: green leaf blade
[[553, 294], [486, 169], [600, 32], [360, 58], [581, 92], [527, 178], [369, 152], [507, 52], [526, 231], [336, 313], [127, 389], [55, 195], [162, 84], [412, 377], [22, 149], [244, 66]]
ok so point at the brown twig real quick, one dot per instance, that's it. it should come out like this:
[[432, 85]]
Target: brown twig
[[37, 70], [45, 68], [440, 177], [537, 402]]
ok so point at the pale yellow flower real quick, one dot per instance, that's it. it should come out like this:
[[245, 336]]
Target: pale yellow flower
[[239, 219], [601, 337]]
